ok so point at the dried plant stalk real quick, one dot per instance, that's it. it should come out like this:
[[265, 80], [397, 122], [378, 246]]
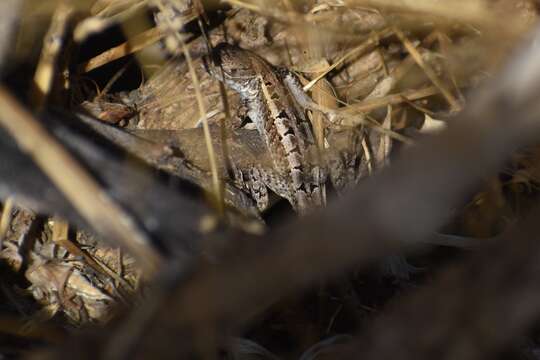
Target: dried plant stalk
[[218, 190]]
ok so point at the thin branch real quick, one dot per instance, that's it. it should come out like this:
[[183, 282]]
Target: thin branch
[[428, 70], [362, 48], [135, 44], [218, 193]]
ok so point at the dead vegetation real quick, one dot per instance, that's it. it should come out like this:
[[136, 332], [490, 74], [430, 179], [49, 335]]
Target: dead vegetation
[[126, 230]]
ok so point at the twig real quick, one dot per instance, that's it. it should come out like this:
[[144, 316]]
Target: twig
[[52, 45], [394, 99], [462, 10], [135, 44], [371, 41], [60, 236], [218, 192], [456, 106], [112, 80]]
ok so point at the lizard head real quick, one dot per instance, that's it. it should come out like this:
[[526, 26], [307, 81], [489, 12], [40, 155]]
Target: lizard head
[[231, 65]]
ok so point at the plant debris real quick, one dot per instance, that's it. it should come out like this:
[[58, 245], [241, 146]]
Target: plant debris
[[131, 224]]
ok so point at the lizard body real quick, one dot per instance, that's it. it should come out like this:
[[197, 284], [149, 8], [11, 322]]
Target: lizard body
[[277, 112]]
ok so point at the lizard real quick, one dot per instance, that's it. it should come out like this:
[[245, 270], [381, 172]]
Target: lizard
[[276, 105]]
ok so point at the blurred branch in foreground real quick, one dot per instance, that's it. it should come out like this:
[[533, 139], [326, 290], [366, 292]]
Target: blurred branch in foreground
[[392, 211]]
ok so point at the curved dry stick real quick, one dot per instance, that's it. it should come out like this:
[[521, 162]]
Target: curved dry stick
[[394, 210]]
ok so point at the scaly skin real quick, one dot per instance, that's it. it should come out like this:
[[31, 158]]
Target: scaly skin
[[279, 119]]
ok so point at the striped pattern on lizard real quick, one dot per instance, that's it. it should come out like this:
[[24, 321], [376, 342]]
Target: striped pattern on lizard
[[276, 105]]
